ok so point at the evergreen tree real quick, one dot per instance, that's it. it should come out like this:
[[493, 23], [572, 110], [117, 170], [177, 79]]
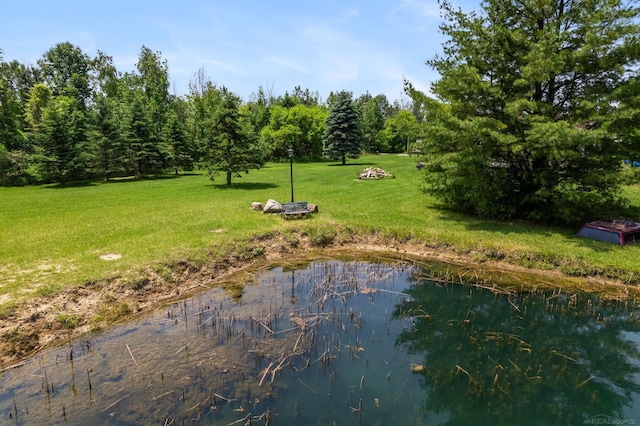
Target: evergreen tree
[[108, 140], [154, 81], [175, 137], [10, 111], [528, 90], [146, 148], [11, 139], [65, 138], [342, 136], [229, 145]]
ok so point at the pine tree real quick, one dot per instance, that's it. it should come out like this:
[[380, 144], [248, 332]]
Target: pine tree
[[342, 136], [108, 139], [148, 152], [528, 90], [64, 125], [229, 146]]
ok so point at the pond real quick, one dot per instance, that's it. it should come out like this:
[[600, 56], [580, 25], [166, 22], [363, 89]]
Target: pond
[[345, 342]]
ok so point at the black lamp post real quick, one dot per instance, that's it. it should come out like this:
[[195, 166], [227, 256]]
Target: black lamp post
[[291, 168]]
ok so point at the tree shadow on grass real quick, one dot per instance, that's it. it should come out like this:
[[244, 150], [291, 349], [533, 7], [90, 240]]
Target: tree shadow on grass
[[80, 184], [514, 229], [129, 179], [245, 186], [359, 164], [117, 180]]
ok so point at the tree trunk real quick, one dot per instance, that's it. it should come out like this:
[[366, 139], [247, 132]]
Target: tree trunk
[[229, 178]]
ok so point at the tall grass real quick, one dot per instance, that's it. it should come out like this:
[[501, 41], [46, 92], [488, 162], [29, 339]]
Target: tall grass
[[52, 237]]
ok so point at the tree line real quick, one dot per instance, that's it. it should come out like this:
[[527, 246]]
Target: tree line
[[535, 115], [73, 117]]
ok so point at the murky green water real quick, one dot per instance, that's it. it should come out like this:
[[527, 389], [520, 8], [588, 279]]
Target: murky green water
[[345, 343]]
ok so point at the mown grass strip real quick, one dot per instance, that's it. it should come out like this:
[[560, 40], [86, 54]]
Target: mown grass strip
[[52, 237]]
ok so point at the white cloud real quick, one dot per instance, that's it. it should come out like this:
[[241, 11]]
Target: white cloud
[[353, 45], [423, 9], [293, 65]]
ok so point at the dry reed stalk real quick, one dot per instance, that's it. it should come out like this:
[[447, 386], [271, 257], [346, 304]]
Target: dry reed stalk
[[307, 386], [199, 404], [495, 290], [264, 373], [584, 382], [295, 347], [134, 360], [277, 368], [514, 337], [471, 379], [554, 352], [223, 398], [264, 325], [106, 408], [155, 398], [514, 306], [183, 348], [515, 366], [241, 420]]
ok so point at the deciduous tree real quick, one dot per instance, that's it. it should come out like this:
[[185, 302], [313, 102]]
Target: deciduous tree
[[400, 131], [374, 111], [39, 97], [300, 128], [66, 69]]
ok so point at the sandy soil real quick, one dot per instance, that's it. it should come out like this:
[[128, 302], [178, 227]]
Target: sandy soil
[[44, 322]]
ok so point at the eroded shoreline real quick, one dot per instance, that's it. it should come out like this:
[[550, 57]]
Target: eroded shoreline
[[53, 320]]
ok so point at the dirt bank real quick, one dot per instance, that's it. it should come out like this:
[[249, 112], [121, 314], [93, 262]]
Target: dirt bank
[[44, 322]]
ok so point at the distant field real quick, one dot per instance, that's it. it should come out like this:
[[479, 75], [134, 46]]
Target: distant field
[[53, 237]]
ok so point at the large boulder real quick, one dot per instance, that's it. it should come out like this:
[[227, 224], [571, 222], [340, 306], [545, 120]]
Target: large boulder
[[272, 206]]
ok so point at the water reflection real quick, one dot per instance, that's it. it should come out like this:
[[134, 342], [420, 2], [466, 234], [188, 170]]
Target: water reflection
[[344, 343], [523, 359]]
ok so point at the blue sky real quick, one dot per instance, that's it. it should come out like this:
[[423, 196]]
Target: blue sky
[[324, 46]]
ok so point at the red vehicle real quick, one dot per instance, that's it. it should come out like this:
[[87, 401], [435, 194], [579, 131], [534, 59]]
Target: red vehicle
[[619, 232]]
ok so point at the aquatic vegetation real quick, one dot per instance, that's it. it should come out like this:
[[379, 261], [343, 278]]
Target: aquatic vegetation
[[346, 342]]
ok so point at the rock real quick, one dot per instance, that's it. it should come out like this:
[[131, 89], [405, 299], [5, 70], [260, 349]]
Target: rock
[[312, 208], [257, 206], [272, 206]]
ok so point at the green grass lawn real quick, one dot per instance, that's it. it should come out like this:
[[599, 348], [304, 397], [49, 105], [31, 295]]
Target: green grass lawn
[[52, 237]]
